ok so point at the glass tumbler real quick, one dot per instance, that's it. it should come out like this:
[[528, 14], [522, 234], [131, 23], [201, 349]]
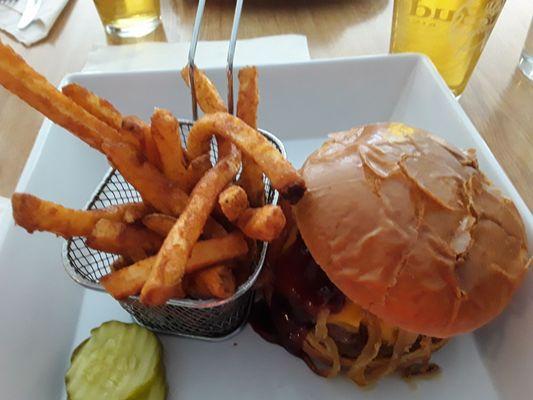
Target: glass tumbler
[[452, 33], [129, 18]]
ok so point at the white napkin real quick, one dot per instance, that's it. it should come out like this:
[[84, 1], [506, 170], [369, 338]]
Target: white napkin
[[11, 12], [161, 56]]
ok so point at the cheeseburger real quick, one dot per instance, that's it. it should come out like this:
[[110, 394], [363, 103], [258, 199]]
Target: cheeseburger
[[399, 244]]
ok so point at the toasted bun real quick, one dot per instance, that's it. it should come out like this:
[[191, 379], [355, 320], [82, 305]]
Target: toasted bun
[[410, 229]]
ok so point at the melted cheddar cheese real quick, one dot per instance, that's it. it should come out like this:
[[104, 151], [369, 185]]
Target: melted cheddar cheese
[[350, 316]]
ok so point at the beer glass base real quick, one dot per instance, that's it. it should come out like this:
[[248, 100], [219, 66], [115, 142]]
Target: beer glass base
[[139, 29], [526, 65]]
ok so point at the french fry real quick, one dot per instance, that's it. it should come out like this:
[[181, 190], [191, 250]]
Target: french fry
[[209, 101], [162, 224], [251, 178], [100, 108], [207, 94], [134, 126], [165, 278], [166, 136], [284, 177], [133, 212], [119, 263], [213, 229], [154, 187], [123, 239], [196, 169], [213, 251], [35, 214], [152, 159], [248, 98], [142, 130], [129, 281], [23, 81], [264, 223], [215, 282], [159, 223], [233, 201]]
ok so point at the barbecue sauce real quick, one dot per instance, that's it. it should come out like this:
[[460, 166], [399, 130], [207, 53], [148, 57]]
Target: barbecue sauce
[[300, 290]]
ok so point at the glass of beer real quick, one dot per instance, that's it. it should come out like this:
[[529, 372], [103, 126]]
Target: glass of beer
[[129, 18], [452, 33]]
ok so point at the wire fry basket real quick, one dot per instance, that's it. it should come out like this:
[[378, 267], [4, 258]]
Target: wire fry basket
[[201, 319], [204, 319]]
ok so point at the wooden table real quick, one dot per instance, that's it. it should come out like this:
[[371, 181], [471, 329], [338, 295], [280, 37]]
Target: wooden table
[[498, 99]]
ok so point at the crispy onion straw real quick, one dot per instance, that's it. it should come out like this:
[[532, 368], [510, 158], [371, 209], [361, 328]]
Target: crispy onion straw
[[404, 341], [324, 344], [323, 357], [420, 356], [321, 329], [369, 352]]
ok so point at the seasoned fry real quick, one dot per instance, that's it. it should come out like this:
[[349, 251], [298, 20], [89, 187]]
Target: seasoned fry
[[150, 148], [209, 101], [165, 278], [248, 99], [153, 186], [251, 178], [215, 282], [100, 108], [207, 94], [166, 136], [236, 246], [130, 280], [283, 175], [142, 130], [124, 239], [35, 214], [133, 212], [196, 169], [233, 201], [162, 224], [157, 240], [264, 223], [159, 223], [213, 229], [20, 79], [134, 126], [120, 263], [213, 251]]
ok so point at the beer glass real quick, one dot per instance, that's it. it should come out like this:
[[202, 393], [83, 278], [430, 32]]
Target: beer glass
[[129, 18], [452, 33]]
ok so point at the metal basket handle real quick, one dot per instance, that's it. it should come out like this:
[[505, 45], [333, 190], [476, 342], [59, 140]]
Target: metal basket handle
[[231, 54]]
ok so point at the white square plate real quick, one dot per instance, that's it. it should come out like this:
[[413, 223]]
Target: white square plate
[[44, 315]]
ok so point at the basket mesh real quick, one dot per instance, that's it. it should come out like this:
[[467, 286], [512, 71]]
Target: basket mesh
[[193, 318]]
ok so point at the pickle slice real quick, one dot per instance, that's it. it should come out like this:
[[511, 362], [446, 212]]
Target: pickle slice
[[158, 391], [119, 361]]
